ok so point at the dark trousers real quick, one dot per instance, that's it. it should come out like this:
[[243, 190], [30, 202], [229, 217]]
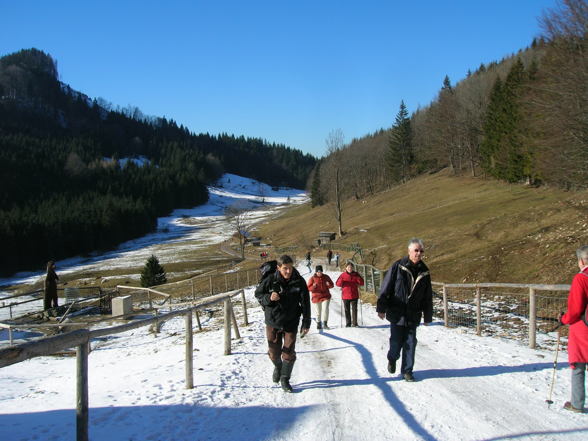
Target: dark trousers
[[281, 344], [403, 338], [50, 300], [350, 312]]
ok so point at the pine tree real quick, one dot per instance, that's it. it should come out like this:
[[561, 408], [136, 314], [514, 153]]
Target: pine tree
[[153, 273], [400, 155], [315, 191], [503, 150]]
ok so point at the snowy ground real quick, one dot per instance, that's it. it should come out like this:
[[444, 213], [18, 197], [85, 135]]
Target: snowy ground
[[468, 388]]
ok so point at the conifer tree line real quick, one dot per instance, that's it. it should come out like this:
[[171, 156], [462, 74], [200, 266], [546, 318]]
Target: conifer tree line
[[67, 184], [523, 119]]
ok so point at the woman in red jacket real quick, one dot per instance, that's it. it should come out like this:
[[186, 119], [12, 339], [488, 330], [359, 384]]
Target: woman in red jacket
[[348, 282], [578, 337], [319, 285]]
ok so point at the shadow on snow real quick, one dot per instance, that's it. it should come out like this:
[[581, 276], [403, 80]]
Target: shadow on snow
[[174, 422]]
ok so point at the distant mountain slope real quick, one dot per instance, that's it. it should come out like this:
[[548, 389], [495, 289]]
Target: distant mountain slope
[[64, 190]]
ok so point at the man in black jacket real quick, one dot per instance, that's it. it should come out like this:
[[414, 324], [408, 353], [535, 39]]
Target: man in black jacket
[[284, 297], [405, 295]]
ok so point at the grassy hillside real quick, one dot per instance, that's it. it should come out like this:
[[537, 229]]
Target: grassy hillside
[[474, 229]]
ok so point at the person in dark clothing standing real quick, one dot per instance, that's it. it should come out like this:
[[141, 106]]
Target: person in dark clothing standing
[[284, 297], [329, 256], [348, 281], [50, 299], [405, 296]]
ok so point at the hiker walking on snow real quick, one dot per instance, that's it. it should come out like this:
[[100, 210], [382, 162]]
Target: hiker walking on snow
[[329, 256], [405, 295], [578, 337], [284, 297], [349, 281], [319, 285]]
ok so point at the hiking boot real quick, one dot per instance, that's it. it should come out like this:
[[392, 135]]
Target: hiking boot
[[391, 366], [287, 367], [325, 325], [319, 325], [408, 377], [277, 371], [568, 406]]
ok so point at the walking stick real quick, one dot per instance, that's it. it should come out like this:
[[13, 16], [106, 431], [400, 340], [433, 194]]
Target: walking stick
[[549, 401], [360, 311]]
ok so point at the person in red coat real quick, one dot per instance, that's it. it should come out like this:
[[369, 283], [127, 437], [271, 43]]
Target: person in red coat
[[349, 282], [578, 337], [319, 285]]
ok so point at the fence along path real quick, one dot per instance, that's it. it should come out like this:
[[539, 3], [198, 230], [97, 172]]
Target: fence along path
[[490, 306], [81, 338]]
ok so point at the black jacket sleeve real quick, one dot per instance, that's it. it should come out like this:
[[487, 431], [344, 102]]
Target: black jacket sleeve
[[305, 303], [427, 304], [263, 292], [387, 289]]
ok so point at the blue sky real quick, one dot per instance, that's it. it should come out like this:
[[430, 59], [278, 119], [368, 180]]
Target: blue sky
[[289, 72]]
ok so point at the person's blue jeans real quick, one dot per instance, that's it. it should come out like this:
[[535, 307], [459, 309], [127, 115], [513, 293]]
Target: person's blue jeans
[[403, 338], [578, 389]]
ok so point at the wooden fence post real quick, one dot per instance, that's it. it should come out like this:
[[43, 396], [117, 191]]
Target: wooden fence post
[[478, 312], [226, 283], [532, 318], [198, 320], [373, 279], [234, 320], [189, 352], [445, 307], [227, 326], [82, 392], [245, 319]]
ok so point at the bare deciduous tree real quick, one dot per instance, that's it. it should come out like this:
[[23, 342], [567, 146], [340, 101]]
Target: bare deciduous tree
[[237, 216]]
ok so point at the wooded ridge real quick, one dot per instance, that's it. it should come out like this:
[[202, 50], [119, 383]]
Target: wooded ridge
[[66, 189]]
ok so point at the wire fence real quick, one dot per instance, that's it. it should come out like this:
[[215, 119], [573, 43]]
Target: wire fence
[[524, 312]]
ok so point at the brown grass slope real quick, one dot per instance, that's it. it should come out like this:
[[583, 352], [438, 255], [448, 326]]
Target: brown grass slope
[[475, 230]]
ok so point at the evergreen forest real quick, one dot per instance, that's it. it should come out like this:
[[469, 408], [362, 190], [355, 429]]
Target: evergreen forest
[[78, 175]]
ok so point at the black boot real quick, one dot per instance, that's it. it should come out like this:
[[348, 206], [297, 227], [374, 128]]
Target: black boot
[[319, 325], [325, 325], [287, 367], [277, 371]]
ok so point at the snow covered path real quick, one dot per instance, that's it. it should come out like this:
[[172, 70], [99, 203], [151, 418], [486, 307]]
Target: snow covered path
[[468, 388]]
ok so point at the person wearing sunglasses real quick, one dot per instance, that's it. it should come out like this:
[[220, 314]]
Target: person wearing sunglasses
[[406, 295]]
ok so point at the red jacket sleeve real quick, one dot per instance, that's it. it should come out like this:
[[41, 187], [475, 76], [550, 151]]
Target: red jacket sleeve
[[342, 278], [358, 279], [577, 300], [329, 282]]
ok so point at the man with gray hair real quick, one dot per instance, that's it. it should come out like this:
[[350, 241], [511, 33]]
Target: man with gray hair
[[578, 336], [405, 295]]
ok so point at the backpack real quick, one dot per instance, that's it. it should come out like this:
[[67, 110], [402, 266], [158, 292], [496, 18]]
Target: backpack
[[267, 269]]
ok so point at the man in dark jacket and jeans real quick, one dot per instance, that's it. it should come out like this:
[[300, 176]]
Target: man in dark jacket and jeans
[[284, 297], [405, 295]]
